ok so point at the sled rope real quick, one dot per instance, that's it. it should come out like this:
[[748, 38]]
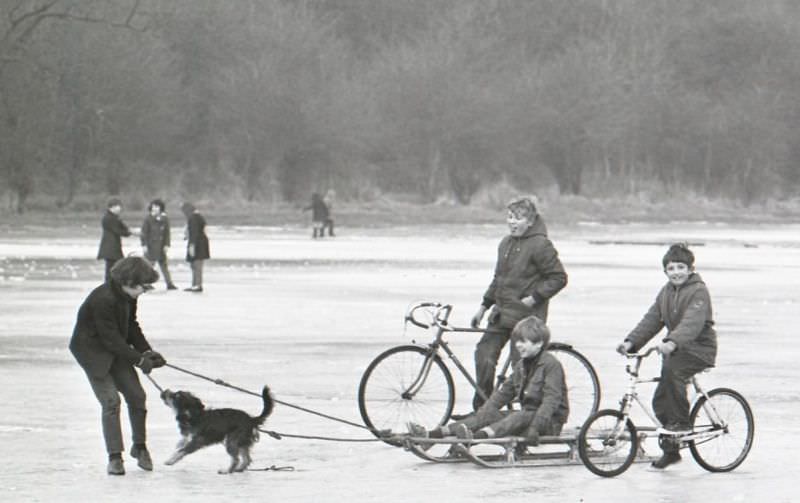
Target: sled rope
[[273, 434]]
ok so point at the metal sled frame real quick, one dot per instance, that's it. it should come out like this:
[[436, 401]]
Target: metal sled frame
[[508, 452]]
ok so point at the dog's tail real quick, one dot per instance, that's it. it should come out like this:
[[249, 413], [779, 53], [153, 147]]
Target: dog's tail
[[269, 404]]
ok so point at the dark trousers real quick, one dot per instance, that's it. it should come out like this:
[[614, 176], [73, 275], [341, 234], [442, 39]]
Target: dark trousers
[[507, 423], [329, 224], [487, 353], [164, 266], [197, 272], [121, 378], [109, 264], [670, 399]]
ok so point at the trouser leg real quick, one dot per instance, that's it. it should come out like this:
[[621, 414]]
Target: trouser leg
[[127, 382], [197, 272], [487, 352], [107, 395], [670, 400], [164, 266], [109, 264]]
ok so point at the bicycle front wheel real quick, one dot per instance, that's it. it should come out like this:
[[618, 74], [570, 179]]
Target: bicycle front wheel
[[406, 384], [607, 443], [583, 386], [728, 420]]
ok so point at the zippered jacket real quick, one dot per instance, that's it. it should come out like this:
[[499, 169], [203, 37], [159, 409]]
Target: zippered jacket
[[686, 313], [526, 265], [539, 385]]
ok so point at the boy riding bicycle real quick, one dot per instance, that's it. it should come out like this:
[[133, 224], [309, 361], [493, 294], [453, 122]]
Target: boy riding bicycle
[[538, 383], [683, 306]]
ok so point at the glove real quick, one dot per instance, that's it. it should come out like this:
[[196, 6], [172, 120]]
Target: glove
[[156, 358], [145, 364], [476, 320], [665, 348], [624, 347]]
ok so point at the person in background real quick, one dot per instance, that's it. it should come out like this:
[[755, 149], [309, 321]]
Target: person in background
[[329, 199], [155, 238], [319, 214], [527, 274], [108, 342], [683, 306], [113, 231], [197, 247]]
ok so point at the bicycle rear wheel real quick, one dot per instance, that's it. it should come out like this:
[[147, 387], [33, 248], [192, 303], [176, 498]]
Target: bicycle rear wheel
[[607, 443], [405, 384], [583, 386], [725, 412]]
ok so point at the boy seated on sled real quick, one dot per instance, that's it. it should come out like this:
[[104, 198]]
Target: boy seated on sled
[[537, 382]]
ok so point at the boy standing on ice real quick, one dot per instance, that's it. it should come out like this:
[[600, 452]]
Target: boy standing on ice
[[683, 306], [527, 274], [538, 383]]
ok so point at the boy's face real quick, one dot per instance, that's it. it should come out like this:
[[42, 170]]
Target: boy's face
[[517, 223], [155, 210], [528, 349], [116, 209], [677, 272]]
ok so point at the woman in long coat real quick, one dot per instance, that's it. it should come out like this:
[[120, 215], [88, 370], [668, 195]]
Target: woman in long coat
[[197, 248]]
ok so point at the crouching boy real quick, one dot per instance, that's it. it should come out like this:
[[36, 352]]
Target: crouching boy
[[537, 382]]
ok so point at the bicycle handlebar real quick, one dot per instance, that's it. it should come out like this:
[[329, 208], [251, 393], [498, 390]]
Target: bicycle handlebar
[[437, 319], [644, 355]]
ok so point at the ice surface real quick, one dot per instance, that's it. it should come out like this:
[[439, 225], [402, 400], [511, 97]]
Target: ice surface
[[307, 317]]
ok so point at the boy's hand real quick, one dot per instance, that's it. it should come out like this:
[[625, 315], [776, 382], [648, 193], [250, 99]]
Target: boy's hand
[[624, 347], [666, 348], [146, 364], [528, 301], [155, 358], [476, 320]]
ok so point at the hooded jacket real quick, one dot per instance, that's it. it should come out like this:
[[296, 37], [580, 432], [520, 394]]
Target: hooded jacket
[[540, 385], [685, 311], [526, 265], [106, 329]]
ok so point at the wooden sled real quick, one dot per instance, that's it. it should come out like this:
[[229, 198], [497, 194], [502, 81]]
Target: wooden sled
[[505, 452]]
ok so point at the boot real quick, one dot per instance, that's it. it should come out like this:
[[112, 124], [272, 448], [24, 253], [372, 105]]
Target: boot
[[115, 465], [143, 458]]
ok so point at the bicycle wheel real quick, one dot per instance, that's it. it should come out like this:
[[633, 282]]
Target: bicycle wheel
[[404, 384], [607, 443], [583, 386], [728, 414]]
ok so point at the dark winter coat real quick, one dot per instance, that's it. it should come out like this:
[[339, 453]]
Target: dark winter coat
[[539, 384], [526, 265], [319, 210], [196, 235], [686, 312], [111, 240], [155, 235], [107, 329]]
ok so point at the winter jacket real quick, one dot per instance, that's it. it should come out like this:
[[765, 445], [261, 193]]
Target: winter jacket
[[196, 235], [155, 235], [106, 329], [540, 385], [526, 265], [111, 240], [686, 312]]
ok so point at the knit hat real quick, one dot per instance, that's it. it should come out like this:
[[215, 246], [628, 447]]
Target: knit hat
[[679, 252]]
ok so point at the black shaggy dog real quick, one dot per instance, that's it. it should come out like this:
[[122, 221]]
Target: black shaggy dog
[[201, 427]]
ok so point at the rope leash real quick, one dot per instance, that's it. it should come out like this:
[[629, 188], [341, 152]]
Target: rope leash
[[274, 434]]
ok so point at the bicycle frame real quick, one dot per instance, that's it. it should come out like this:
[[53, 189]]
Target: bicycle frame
[[440, 321], [631, 396]]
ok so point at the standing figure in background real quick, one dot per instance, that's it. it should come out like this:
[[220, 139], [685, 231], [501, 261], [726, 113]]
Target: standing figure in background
[[113, 230], [328, 200], [155, 237], [319, 214], [197, 249]]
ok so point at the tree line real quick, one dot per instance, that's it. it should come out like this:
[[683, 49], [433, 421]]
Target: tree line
[[271, 100]]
